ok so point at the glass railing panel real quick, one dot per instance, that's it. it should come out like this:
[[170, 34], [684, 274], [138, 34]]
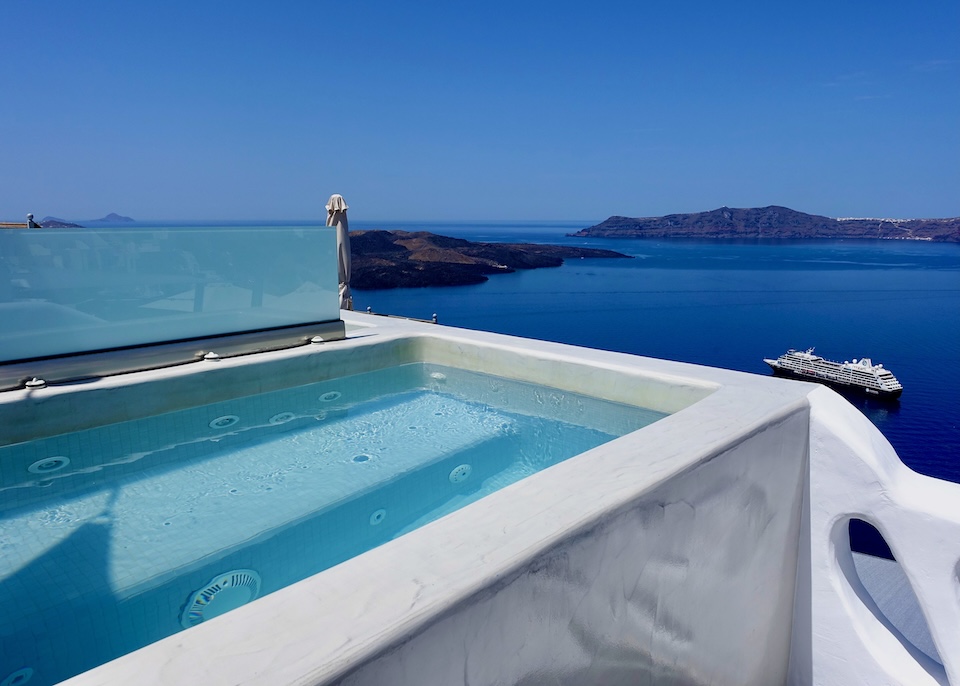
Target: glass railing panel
[[65, 291]]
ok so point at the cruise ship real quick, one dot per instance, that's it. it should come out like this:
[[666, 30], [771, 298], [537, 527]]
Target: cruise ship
[[861, 376]]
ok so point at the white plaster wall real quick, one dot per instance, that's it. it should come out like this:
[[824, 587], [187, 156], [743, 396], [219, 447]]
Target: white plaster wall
[[692, 584], [841, 636]]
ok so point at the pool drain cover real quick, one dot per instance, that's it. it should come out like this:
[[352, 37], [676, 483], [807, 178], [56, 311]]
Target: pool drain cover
[[47, 465], [18, 678], [223, 593], [225, 421], [461, 473]]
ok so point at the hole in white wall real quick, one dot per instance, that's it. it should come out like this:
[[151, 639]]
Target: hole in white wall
[[864, 538], [887, 586]]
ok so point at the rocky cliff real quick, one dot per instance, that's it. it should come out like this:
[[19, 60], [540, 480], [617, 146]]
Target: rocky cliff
[[404, 259], [771, 222]]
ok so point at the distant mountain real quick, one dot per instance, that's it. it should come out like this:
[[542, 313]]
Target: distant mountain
[[404, 259], [115, 218], [771, 222], [56, 223]]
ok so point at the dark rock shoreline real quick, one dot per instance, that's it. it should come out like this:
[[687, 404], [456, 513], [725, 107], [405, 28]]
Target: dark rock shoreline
[[405, 259]]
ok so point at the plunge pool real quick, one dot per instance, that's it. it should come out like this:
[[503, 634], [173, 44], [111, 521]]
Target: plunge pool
[[115, 536]]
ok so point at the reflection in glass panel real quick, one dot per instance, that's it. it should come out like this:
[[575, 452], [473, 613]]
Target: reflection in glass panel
[[76, 290]]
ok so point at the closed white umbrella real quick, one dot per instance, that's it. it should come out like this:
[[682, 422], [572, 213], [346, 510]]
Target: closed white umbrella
[[337, 216]]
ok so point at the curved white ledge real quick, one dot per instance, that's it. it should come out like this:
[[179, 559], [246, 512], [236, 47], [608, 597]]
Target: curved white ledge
[[854, 472]]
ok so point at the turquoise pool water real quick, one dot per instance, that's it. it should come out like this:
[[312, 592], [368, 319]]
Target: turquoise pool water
[[117, 536]]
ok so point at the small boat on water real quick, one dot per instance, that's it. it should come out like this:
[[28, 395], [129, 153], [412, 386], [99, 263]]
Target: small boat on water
[[860, 376]]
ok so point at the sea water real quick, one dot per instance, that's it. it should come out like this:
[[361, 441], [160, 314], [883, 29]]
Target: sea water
[[116, 536], [730, 304]]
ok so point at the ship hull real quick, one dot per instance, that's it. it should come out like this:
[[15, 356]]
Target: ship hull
[[855, 389]]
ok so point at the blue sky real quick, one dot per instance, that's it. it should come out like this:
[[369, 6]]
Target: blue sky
[[446, 111]]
